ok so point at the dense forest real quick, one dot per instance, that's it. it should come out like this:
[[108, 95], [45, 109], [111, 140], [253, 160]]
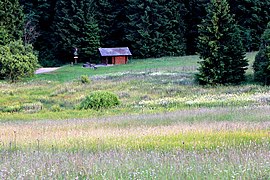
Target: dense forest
[[150, 28]]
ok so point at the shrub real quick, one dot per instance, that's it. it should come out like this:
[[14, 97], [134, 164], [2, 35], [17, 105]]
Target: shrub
[[56, 108], [261, 64], [85, 79], [11, 109], [98, 100], [17, 61], [4, 37]]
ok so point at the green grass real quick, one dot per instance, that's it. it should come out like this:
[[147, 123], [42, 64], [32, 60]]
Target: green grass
[[69, 73], [148, 86]]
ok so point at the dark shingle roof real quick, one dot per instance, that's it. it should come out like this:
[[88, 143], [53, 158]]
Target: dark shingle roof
[[121, 51]]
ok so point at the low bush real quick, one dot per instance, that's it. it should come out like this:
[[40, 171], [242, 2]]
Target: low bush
[[56, 108], [11, 109], [85, 79], [98, 100]]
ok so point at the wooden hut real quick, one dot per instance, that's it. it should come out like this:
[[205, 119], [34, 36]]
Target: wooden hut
[[114, 55]]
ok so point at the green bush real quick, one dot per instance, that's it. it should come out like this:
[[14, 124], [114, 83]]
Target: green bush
[[56, 108], [85, 79], [4, 37], [98, 100], [11, 109], [17, 61]]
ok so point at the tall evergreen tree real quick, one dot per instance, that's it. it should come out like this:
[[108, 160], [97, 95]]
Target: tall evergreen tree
[[220, 47], [140, 31], [12, 18], [196, 11], [75, 26], [155, 28], [173, 28], [89, 39], [261, 64], [252, 16], [112, 22]]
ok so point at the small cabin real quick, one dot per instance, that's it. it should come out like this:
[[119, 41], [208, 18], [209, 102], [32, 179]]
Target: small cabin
[[114, 55]]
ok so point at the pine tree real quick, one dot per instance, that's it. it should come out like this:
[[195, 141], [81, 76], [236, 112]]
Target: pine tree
[[12, 18], [261, 64], [220, 47]]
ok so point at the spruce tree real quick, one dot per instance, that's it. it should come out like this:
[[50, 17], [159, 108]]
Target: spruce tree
[[140, 33], [89, 39], [252, 17], [195, 13], [75, 27], [174, 27], [220, 47], [111, 16], [155, 28], [261, 64], [12, 18]]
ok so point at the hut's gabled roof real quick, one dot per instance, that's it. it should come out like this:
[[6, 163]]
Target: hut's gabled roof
[[120, 51]]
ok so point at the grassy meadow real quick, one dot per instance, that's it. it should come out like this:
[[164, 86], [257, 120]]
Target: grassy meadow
[[166, 127]]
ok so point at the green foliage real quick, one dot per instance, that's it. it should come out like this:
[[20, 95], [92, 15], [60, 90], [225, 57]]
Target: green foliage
[[56, 108], [85, 79], [112, 21], [12, 18], [149, 28], [42, 15], [195, 13], [99, 100], [75, 26], [261, 64], [17, 61], [252, 16], [11, 109], [155, 28], [220, 47], [4, 37]]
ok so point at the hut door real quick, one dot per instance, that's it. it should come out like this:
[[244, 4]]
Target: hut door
[[109, 60]]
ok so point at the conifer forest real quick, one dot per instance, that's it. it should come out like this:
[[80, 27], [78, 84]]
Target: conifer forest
[[150, 28]]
